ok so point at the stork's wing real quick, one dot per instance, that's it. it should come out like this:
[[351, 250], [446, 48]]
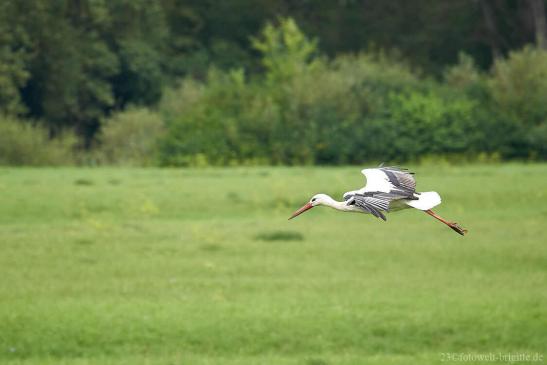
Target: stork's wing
[[374, 202], [389, 180]]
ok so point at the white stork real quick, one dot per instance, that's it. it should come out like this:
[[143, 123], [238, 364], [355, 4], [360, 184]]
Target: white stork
[[388, 189]]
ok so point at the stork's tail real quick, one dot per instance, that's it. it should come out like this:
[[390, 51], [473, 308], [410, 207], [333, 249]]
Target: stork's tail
[[425, 201]]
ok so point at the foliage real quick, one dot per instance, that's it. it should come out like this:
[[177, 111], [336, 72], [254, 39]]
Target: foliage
[[130, 137], [95, 57], [22, 143], [306, 109], [13, 56], [518, 88], [519, 85], [421, 124], [311, 110], [464, 74], [286, 51], [70, 63], [273, 98]]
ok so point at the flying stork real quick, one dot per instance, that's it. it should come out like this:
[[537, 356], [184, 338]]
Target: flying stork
[[388, 189]]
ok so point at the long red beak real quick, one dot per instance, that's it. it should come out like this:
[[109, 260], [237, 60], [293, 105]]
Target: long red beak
[[301, 210]]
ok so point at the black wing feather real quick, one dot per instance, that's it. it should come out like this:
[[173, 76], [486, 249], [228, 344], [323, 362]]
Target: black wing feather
[[374, 203], [401, 179]]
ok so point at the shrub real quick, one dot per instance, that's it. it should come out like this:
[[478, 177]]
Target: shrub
[[130, 137], [426, 123], [463, 75], [519, 85], [518, 88], [180, 99], [25, 143], [207, 130]]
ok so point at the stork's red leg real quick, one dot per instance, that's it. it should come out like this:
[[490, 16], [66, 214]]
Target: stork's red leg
[[452, 225]]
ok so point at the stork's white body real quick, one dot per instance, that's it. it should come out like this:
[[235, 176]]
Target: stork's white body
[[377, 180]]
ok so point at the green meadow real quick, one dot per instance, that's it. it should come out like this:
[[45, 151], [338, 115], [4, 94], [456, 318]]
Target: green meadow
[[201, 266]]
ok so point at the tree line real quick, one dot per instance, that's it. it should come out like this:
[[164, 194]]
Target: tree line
[[196, 82]]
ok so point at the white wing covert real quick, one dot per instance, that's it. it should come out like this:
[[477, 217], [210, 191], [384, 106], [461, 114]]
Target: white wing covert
[[389, 180]]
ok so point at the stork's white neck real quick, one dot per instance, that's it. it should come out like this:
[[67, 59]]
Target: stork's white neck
[[330, 202]]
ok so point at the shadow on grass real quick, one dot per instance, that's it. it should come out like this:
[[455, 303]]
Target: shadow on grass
[[83, 182], [280, 236]]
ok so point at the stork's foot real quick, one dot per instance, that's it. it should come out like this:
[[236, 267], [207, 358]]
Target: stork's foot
[[457, 228]]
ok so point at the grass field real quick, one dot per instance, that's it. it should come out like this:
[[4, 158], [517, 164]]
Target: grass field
[[165, 266]]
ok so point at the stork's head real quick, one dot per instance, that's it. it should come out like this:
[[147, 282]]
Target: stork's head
[[317, 199]]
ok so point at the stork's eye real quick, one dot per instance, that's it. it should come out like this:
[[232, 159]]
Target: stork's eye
[[314, 199]]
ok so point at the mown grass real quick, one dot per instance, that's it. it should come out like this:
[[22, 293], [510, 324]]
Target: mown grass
[[160, 266]]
